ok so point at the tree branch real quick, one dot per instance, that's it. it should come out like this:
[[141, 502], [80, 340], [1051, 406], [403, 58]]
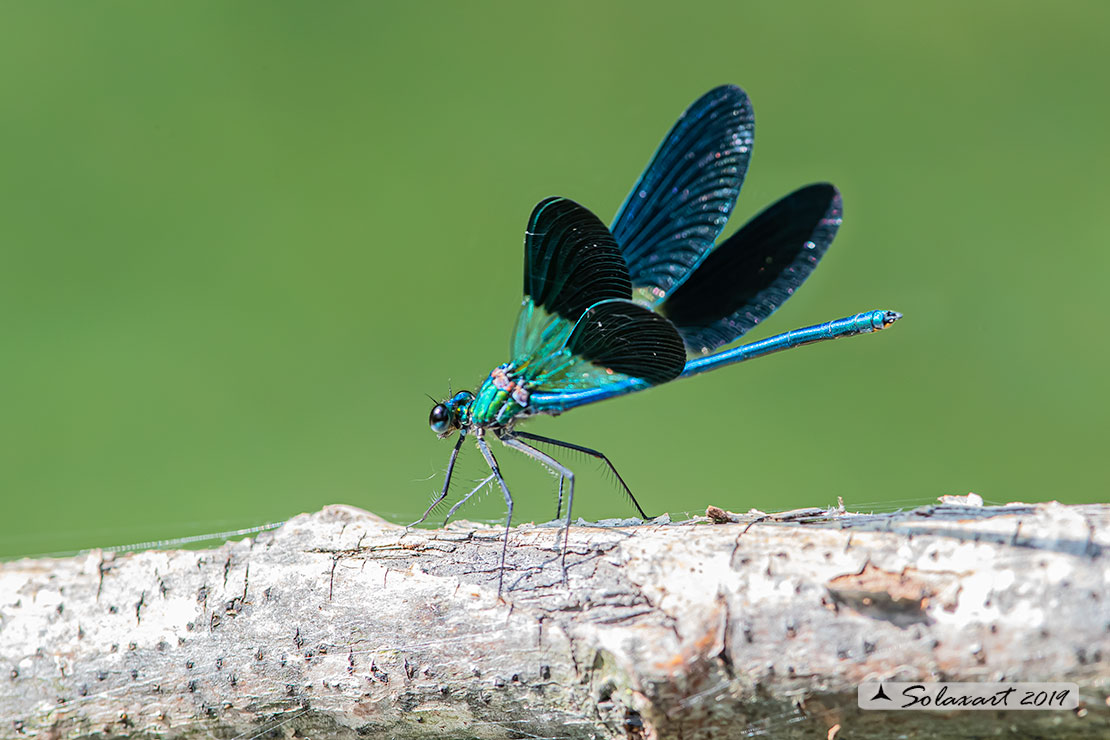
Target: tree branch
[[340, 624]]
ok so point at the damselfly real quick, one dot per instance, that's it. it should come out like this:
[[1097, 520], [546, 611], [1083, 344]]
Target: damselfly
[[610, 311]]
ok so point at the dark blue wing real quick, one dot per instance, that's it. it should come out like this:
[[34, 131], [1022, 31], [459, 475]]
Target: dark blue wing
[[571, 260], [615, 342], [681, 202], [578, 327], [625, 337], [751, 273]]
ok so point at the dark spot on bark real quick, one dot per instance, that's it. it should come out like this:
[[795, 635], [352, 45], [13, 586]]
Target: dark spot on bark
[[868, 647], [134, 674], [132, 646], [605, 691], [192, 687], [84, 690], [545, 672], [113, 610], [14, 673], [377, 673], [219, 663], [101, 675], [188, 665], [1086, 658], [633, 725]]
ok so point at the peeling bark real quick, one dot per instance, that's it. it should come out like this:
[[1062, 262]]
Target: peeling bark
[[339, 624]]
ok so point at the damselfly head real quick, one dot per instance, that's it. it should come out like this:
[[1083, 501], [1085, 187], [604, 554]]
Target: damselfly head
[[448, 416]]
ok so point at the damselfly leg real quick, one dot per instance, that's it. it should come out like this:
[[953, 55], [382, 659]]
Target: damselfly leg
[[446, 481], [466, 498], [591, 453], [486, 453], [559, 504], [565, 473]]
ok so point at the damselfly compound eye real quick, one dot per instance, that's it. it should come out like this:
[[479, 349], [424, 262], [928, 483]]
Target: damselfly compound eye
[[439, 419]]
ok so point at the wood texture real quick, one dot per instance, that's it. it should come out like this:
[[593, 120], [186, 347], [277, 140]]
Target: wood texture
[[341, 625]]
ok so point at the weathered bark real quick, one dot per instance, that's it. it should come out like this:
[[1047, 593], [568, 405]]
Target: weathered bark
[[339, 624]]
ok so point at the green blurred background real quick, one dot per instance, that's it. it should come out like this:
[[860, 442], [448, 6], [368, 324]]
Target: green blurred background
[[242, 241]]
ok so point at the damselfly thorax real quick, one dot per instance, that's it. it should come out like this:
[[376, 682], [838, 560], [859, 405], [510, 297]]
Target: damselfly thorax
[[501, 398]]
